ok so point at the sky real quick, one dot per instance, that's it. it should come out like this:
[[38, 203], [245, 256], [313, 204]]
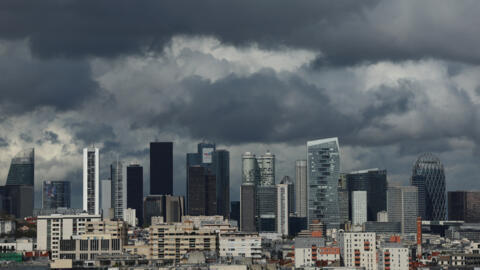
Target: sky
[[391, 79]]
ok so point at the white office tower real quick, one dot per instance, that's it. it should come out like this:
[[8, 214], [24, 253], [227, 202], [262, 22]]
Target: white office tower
[[106, 188], [250, 172], [402, 206], [393, 256], [91, 181], [282, 209], [266, 166], [382, 216], [359, 207], [130, 216], [301, 188], [358, 249], [116, 170]]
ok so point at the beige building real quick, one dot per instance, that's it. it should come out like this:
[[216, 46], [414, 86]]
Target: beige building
[[89, 246], [358, 249], [240, 244]]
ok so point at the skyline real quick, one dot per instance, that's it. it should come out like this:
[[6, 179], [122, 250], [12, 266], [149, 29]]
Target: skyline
[[391, 79]]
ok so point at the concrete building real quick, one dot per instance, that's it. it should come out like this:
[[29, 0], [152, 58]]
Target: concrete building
[[402, 206], [91, 182], [301, 188], [323, 163], [106, 191], [88, 247], [393, 256], [51, 229], [358, 249], [130, 216], [359, 207], [116, 176], [240, 244], [464, 205], [382, 216]]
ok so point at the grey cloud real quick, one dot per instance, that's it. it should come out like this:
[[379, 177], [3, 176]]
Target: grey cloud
[[26, 137], [49, 136], [3, 143], [91, 132]]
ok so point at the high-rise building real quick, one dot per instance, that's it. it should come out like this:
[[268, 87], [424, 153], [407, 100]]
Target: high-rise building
[[282, 209], [247, 207], [116, 170], [235, 211], [374, 182], [106, 197], [428, 174], [17, 200], [291, 193], [402, 206], [161, 168], [301, 188], [323, 161], [55, 194], [359, 207], [201, 192], [266, 213], [91, 182], [464, 205], [22, 168], [216, 164], [266, 166], [135, 190], [170, 208], [343, 199], [250, 171]]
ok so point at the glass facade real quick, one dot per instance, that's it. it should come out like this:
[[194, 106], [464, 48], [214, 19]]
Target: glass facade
[[135, 190], [301, 188], [55, 194], [464, 205], [323, 161], [428, 173], [22, 168], [402, 206], [266, 197], [161, 168], [91, 181], [116, 170]]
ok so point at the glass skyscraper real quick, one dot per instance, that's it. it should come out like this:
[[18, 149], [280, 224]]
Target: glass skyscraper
[[116, 169], [429, 177], [22, 168], [135, 190], [402, 206], [161, 168], [91, 181], [323, 172], [55, 194]]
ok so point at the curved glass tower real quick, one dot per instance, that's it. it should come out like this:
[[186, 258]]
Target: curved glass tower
[[429, 177], [22, 168]]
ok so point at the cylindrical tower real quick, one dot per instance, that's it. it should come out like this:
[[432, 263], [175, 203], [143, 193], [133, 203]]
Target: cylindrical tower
[[266, 164], [249, 169]]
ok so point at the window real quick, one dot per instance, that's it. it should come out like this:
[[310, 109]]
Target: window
[[84, 245]]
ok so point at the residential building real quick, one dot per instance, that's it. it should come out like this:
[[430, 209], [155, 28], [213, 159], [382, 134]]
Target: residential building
[[282, 209], [55, 194], [161, 168], [312, 252], [358, 249], [91, 182], [359, 207], [135, 190], [393, 256], [402, 206], [323, 163], [301, 188], [464, 205], [241, 245]]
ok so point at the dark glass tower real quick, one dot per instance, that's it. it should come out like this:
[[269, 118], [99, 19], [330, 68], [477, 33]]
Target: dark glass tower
[[201, 192], [235, 211], [135, 190], [161, 168], [22, 168], [56, 194], [374, 182], [464, 205], [428, 173]]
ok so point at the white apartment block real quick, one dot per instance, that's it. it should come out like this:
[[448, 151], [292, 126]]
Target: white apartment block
[[240, 244], [51, 229], [358, 249], [130, 216], [393, 256]]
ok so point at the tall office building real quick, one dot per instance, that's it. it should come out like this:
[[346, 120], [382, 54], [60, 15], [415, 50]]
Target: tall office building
[[323, 161], [266, 213], [55, 194], [247, 207], [116, 170], [170, 208], [343, 199], [250, 171], [202, 192], [374, 182], [359, 207], [235, 211], [135, 190], [301, 188], [428, 175], [22, 168], [464, 205], [282, 209], [266, 167], [106, 197], [291, 193], [91, 182], [17, 200], [402, 206], [161, 168], [216, 164]]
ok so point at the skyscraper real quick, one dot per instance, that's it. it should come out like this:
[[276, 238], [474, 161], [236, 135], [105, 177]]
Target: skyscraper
[[343, 200], [135, 190], [266, 166], [161, 168], [171, 208], [291, 193], [374, 182], [402, 206], [55, 194], [301, 188], [428, 174], [247, 207], [323, 161], [106, 197], [282, 209], [201, 192], [91, 182], [359, 207], [464, 205], [235, 211], [17, 200], [22, 168], [116, 170], [250, 170]]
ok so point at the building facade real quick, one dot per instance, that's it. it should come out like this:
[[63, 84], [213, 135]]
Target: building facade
[[359, 207], [266, 208], [17, 200], [170, 208], [323, 167], [55, 194], [464, 205], [106, 188], [402, 206], [91, 182], [301, 188], [247, 207], [202, 200], [266, 167], [22, 168], [240, 245], [393, 256], [161, 168], [282, 209], [116, 174], [135, 190], [358, 249]]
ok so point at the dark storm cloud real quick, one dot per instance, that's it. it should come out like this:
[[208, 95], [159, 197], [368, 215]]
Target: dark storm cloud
[[91, 132], [345, 31], [49, 136], [3, 143]]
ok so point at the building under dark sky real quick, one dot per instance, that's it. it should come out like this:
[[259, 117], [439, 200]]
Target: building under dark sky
[[135, 190], [161, 168], [55, 194], [464, 205], [201, 192]]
